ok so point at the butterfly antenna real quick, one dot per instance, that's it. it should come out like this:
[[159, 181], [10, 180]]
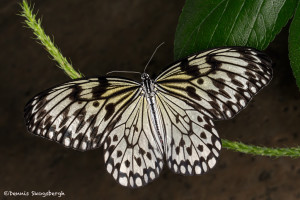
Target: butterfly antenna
[[133, 72], [153, 55]]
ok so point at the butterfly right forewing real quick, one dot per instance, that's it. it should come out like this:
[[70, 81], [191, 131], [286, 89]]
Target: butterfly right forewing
[[222, 80]]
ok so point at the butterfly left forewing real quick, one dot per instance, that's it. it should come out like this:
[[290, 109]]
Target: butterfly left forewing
[[79, 114]]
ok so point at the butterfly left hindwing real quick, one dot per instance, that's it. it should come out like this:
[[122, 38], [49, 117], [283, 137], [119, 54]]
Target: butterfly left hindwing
[[132, 153]]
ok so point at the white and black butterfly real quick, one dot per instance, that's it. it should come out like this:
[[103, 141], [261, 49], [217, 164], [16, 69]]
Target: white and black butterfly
[[144, 124]]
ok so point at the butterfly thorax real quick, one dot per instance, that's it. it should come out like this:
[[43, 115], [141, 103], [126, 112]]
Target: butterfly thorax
[[149, 92], [147, 85]]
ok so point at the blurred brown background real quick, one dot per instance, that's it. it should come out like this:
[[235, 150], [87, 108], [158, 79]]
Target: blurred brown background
[[100, 36]]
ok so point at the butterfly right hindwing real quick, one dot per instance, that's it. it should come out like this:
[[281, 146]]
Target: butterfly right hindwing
[[192, 143]]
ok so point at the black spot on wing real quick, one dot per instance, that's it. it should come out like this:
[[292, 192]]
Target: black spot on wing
[[189, 150], [200, 147], [99, 90], [237, 83], [192, 70], [149, 155], [115, 138], [96, 104], [74, 94], [199, 119], [142, 151], [182, 142], [127, 163], [203, 135], [200, 81], [119, 154], [191, 91], [111, 149], [138, 161], [110, 109], [177, 150], [213, 62]]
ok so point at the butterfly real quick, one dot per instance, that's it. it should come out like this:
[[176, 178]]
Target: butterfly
[[144, 125]]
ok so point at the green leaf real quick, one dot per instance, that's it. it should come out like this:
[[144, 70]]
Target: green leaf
[[294, 45], [206, 24]]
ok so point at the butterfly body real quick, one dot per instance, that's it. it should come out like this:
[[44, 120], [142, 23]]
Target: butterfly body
[[149, 90], [143, 125]]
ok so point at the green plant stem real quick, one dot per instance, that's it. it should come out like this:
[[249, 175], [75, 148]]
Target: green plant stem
[[35, 25], [72, 73], [261, 151]]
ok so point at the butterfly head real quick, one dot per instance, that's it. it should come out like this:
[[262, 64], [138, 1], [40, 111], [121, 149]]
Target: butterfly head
[[145, 76]]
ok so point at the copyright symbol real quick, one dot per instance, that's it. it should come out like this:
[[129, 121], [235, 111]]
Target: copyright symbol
[[6, 193]]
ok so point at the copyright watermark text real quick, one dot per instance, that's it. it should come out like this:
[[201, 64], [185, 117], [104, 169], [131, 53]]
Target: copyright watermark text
[[33, 193]]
